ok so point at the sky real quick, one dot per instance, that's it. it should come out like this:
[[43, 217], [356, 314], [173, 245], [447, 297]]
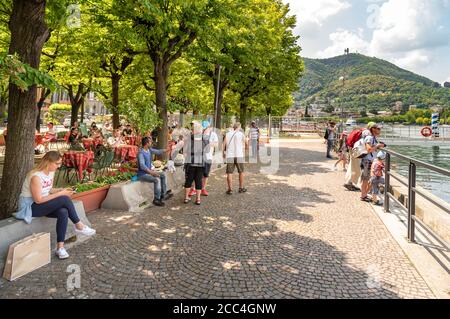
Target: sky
[[413, 34]]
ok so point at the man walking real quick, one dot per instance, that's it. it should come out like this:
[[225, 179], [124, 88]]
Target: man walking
[[147, 174], [253, 137], [330, 135], [234, 153]]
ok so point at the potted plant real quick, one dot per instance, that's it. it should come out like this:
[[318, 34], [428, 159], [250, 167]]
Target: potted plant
[[91, 194], [130, 167], [94, 193]]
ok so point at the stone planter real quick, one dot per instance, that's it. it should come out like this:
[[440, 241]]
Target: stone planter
[[92, 199]]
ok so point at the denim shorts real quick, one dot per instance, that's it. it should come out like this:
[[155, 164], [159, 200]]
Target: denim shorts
[[376, 182]]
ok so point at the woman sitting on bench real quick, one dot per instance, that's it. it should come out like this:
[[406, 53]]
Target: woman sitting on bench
[[38, 199]]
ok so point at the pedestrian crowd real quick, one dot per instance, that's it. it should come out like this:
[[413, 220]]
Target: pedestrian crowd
[[365, 156], [198, 147]]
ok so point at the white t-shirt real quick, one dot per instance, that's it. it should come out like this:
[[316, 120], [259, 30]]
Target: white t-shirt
[[46, 184], [235, 145], [213, 139], [372, 141], [365, 133]]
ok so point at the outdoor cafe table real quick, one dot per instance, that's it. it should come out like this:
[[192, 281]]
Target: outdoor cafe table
[[81, 161], [89, 142], [126, 152], [131, 140], [38, 139]]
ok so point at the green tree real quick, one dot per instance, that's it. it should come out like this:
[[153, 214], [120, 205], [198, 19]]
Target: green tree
[[26, 41], [168, 28], [275, 60]]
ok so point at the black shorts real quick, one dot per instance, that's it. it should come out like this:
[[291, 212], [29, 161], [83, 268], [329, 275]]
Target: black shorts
[[194, 174], [235, 162], [207, 170]]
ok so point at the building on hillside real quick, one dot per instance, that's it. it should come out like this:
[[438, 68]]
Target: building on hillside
[[92, 105], [295, 112], [398, 106]]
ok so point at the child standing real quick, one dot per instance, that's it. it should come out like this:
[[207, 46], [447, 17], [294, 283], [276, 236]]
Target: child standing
[[377, 178], [342, 151]]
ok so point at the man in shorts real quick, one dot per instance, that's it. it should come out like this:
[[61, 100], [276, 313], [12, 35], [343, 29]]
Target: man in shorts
[[234, 153], [372, 146]]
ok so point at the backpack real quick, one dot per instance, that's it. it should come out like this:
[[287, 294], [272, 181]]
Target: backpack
[[354, 137]]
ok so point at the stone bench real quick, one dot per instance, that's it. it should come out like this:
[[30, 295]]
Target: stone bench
[[136, 196], [12, 230]]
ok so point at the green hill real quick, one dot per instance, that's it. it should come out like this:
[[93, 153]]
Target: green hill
[[370, 83]]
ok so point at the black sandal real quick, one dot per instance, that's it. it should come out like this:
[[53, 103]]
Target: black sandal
[[198, 202], [229, 192], [242, 190], [187, 200]]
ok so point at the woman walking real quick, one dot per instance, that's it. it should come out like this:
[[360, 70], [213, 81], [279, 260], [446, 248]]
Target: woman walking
[[195, 161]]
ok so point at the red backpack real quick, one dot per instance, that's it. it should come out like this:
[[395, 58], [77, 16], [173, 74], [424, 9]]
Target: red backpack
[[354, 137]]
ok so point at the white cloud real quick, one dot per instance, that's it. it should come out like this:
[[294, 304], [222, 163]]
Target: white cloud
[[316, 12], [406, 33], [410, 25], [414, 60], [342, 39]]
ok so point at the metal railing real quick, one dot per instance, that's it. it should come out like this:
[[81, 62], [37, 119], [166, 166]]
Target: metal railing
[[412, 191], [412, 132]]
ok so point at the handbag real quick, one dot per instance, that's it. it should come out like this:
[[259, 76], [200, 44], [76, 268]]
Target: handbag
[[27, 255], [179, 160], [359, 149]]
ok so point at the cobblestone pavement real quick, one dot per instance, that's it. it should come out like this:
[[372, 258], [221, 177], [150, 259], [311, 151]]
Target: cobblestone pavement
[[295, 234]]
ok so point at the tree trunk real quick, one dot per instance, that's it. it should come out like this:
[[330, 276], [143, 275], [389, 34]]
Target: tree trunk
[[82, 112], [2, 107], [243, 115], [115, 80], [44, 94], [182, 119], [27, 40], [74, 112], [161, 74], [223, 84]]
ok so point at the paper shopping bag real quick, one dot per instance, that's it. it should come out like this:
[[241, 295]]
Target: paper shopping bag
[[27, 255]]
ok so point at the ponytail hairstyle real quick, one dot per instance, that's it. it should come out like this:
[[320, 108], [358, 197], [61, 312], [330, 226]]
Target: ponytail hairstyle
[[49, 158]]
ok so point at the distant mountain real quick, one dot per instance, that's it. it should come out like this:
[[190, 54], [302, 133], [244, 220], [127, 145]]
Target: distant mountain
[[370, 83]]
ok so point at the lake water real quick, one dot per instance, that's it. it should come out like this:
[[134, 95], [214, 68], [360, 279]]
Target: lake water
[[439, 156]]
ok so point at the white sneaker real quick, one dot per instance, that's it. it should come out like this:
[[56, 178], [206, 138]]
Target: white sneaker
[[61, 253], [86, 231]]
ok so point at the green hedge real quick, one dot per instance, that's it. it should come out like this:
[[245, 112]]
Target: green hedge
[[57, 113]]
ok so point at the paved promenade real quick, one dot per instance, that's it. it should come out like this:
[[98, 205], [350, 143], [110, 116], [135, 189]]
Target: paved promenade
[[295, 234]]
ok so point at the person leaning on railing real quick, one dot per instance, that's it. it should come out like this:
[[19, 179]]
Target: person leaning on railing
[[39, 199]]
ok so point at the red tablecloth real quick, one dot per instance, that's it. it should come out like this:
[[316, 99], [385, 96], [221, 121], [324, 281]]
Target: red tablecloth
[[81, 161], [131, 140], [88, 143], [126, 152], [38, 138]]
